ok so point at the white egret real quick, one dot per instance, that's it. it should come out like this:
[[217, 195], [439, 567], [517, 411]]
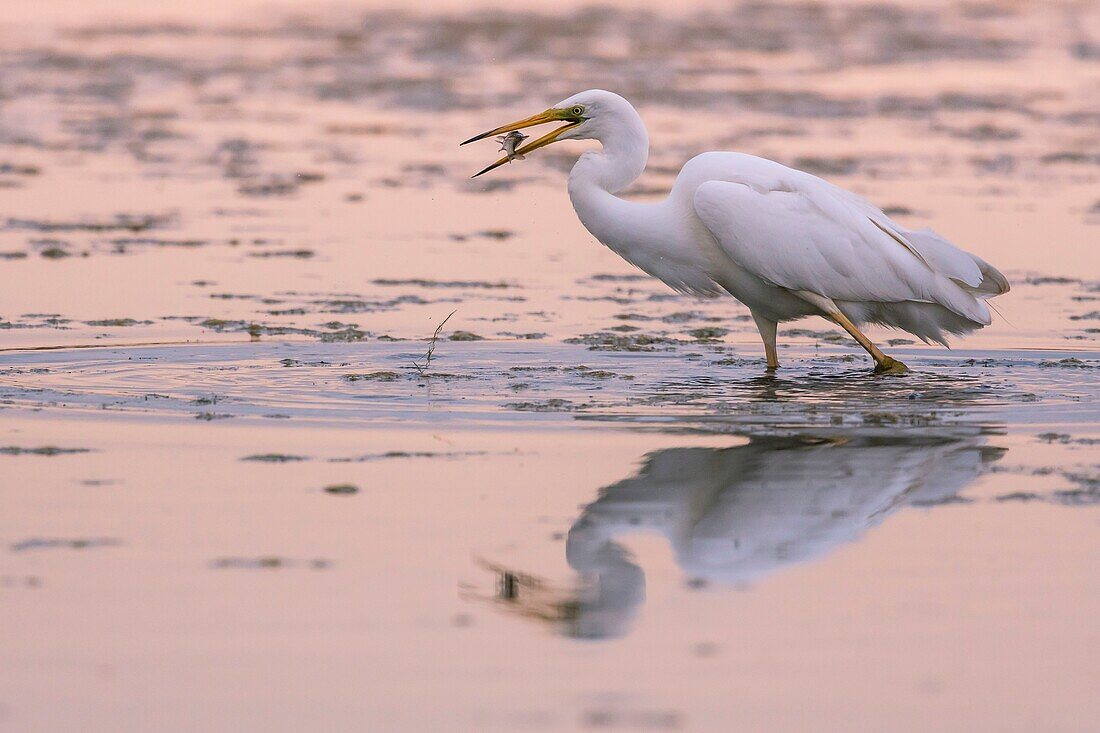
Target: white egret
[[785, 243]]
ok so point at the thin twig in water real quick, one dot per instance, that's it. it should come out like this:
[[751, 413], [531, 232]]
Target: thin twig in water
[[431, 345]]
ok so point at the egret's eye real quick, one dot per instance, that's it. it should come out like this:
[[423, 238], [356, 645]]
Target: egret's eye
[[577, 111]]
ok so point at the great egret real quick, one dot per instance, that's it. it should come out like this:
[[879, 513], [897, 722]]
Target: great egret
[[785, 243]]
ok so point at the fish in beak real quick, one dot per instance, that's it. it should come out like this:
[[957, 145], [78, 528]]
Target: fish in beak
[[509, 143], [550, 115]]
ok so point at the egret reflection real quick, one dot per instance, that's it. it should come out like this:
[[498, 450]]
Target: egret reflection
[[735, 515]]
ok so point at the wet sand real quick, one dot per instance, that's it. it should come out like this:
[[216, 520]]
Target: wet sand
[[236, 496]]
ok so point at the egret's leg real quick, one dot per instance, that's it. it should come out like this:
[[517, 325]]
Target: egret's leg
[[883, 363], [767, 335]]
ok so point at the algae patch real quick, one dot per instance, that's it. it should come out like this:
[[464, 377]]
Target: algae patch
[[275, 458], [425, 283], [78, 543], [342, 489], [210, 416], [605, 341], [382, 376], [269, 562], [47, 450], [117, 322]]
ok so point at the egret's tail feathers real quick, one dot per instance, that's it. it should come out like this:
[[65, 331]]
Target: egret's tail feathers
[[945, 258], [993, 282], [960, 299], [970, 272]]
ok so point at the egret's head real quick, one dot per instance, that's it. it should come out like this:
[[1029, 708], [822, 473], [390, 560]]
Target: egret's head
[[586, 116]]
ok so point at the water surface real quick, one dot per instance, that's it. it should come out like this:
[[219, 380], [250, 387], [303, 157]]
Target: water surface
[[237, 494]]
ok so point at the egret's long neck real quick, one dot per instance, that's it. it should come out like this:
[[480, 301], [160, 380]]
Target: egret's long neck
[[597, 176], [622, 160]]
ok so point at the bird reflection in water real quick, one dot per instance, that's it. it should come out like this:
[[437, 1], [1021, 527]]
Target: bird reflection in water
[[736, 515]]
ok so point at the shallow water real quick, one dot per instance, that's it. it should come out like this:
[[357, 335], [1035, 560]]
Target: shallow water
[[237, 491]]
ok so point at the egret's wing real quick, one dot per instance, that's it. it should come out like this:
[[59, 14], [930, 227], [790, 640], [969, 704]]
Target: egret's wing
[[970, 272], [802, 233], [939, 254]]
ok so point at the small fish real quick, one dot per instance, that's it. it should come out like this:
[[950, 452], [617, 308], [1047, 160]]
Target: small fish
[[509, 143]]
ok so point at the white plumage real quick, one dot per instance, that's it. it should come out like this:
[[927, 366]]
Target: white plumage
[[785, 243], [840, 246]]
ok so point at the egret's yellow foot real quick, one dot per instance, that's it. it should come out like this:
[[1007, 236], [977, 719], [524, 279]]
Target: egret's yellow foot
[[883, 364], [889, 365]]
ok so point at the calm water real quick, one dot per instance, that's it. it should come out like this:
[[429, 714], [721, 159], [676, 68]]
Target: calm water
[[236, 497]]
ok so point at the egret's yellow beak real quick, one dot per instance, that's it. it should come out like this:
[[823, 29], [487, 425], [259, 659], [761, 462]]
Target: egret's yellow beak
[[550, 115]]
